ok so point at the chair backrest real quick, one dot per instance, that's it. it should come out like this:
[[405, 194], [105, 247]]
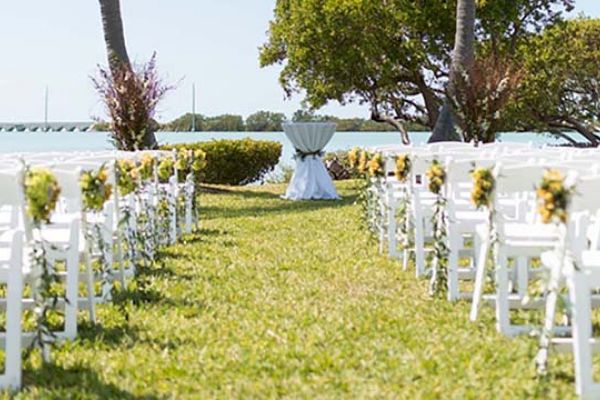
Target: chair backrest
[[69, 182], [11, 182], [445, 146], [584, 209], [518, 178]]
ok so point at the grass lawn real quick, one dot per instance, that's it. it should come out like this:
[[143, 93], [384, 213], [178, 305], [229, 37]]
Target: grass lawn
[[275, 299]]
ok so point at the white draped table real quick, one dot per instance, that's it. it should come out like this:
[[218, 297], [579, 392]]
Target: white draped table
[[311, 181]]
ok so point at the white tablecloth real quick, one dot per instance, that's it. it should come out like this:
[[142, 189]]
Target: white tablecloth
[[310, 181]]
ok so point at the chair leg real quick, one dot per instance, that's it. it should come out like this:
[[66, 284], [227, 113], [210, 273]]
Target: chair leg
[[392, 233], [405, 259], [13, 320], [550, 314], [522, 270], [482, 251], [72, 294], [579, 292], [419, 248], [453, 284], [91, 292], [502, 292]]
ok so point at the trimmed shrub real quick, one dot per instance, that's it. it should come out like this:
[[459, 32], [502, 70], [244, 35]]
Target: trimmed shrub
[[236, 162]]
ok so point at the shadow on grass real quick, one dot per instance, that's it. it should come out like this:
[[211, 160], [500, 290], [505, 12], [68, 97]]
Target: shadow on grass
[[141, 291], [277, 206], [76, 382], [110, 336]]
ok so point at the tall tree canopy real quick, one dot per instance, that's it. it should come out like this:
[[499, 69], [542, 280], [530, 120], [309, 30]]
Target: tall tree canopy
[[561, 86], [393, 55]]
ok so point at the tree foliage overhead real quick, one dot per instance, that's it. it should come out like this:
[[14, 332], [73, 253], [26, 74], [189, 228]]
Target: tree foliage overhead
[[393, 55], [561, 87]]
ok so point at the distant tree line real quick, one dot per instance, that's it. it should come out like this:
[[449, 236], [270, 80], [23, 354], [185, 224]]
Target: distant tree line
[[266, 121]]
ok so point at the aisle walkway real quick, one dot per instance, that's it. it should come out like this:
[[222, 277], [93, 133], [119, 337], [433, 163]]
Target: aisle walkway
[[277, 299]]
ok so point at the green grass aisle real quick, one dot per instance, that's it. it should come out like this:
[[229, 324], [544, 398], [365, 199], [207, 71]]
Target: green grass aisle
[[275, 299]]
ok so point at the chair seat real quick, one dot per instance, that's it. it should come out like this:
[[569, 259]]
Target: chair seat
[[61, 237], [5, 257]]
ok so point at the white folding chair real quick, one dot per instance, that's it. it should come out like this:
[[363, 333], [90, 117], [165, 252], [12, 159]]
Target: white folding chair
[[11, 274]]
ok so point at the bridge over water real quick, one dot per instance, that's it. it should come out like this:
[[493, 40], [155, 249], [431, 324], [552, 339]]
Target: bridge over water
[[46, 127]]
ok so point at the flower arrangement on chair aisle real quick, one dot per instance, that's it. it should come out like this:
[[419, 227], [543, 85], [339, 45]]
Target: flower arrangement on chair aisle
[[197, 165], [353, 156], [167, 203], [183, 165], [402, 170], [148, 236], [96, 192], [41, 196], [436, 175], [554, 196], [128, 176], [484, 184]]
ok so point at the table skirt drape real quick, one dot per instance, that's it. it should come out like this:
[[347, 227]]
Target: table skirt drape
[[310, 181]]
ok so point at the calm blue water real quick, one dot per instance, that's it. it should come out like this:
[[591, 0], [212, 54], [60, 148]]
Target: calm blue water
[[73, 141]]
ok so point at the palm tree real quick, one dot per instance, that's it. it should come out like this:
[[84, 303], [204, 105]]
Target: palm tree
[[116, 49], [463, 58], [113, 33]]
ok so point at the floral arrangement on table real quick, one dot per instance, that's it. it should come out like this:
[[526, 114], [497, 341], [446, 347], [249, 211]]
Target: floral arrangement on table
[[436, 175], [554, 197], [41, 196]]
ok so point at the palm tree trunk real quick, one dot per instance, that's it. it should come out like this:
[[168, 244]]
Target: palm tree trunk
[[463, 58], [113, 33], [116, 49]]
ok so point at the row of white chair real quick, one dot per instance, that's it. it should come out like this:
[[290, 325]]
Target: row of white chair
[[75, 236], [519, 237]]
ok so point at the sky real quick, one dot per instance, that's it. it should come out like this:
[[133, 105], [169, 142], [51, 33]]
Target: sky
[[212, 43]]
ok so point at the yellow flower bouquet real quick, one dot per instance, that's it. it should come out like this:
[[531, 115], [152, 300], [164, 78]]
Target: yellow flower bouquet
[[483, 187], [95, 189], [363, 162], [436, 176], [553, 197], [353, 156], [127, 176], [376, 166], [165, 169], [403, 167], [146, 167], [198, 160], [41, 194]]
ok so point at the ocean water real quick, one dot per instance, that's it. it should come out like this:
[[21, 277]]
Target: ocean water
[[78, 141]]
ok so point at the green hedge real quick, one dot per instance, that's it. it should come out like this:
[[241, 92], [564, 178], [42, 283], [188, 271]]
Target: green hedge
[[236, 162]]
